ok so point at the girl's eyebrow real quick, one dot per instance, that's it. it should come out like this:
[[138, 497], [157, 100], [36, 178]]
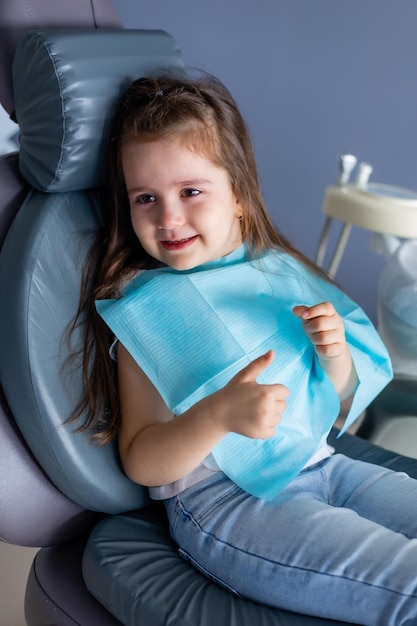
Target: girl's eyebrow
[[190, 183], [129, 189], [176, 183], [137, 190]]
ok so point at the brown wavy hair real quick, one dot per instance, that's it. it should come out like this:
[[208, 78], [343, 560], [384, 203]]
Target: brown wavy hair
[[201, 112]]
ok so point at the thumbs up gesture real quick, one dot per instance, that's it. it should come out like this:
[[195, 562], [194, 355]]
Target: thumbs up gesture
[[248, 408]]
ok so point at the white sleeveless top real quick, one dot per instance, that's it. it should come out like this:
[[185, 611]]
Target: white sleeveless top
[[207, 469]]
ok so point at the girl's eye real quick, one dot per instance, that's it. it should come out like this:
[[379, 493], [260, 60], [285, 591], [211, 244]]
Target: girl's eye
[[145, 198], [190, 192]]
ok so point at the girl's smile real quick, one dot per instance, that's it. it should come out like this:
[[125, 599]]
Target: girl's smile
[[182, 206], [178, 244]]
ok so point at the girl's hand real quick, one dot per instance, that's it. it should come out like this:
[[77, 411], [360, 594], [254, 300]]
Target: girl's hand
[[324, 327], [243, 406]]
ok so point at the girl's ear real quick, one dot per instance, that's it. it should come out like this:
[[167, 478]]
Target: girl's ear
[[239, 210]]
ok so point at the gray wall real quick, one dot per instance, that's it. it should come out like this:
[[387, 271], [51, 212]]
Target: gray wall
[[314, 78], [8, 137]]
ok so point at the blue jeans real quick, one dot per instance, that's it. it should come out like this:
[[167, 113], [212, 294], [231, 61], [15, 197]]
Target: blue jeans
[[339, 542]]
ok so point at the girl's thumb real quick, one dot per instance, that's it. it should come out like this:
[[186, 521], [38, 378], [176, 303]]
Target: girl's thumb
[[251, 372]]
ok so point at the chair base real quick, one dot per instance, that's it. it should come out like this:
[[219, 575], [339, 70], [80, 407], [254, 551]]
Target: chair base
[[55, 591]]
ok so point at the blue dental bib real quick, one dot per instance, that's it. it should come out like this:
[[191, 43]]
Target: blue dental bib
[[192, 331]]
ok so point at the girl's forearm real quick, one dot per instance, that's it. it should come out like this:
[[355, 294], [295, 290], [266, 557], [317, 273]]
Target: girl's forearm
[[342, 373], [164, 452]]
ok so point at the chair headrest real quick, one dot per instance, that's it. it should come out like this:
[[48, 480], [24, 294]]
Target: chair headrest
[[65, 85], [16, 18]]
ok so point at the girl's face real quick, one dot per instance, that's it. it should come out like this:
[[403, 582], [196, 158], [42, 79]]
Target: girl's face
[[182, 207]]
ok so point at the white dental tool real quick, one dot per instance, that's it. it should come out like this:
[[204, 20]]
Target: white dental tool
[[347, 163]]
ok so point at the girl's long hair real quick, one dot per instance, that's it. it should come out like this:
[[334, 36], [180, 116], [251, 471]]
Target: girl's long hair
[[200, 112]]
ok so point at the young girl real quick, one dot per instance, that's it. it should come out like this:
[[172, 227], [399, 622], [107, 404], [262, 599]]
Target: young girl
[[233, 352]]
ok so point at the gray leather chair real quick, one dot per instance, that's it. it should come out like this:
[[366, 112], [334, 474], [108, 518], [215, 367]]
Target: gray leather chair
[[57, 490]]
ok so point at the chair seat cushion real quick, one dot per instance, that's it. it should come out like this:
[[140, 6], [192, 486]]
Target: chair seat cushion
[[132, 566]]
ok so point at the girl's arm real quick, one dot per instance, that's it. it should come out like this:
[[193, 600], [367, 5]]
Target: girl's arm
[[325, 329], [157, 449]]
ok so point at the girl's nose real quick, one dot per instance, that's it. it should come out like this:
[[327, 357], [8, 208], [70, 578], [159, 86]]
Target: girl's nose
[[170, 216]]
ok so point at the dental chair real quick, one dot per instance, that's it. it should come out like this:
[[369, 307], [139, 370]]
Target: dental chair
[[58, 491]]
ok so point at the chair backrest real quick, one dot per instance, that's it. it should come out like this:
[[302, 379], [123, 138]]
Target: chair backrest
[[24, 487], [65, 83]]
